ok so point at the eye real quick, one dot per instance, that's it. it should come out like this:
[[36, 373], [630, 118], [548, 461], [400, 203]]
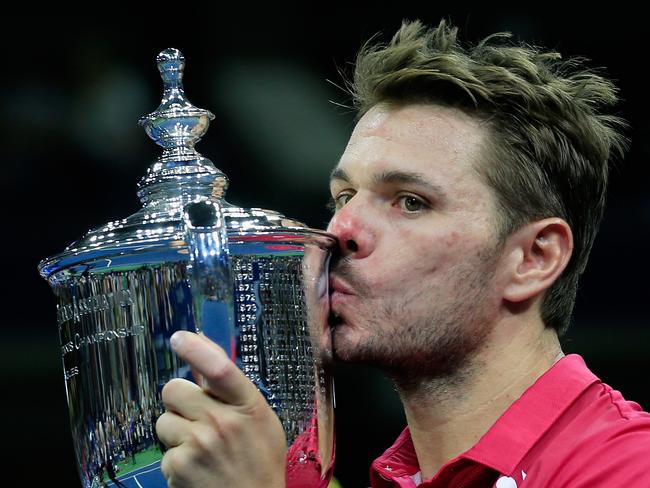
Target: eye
[[412, 204], [340, 200]]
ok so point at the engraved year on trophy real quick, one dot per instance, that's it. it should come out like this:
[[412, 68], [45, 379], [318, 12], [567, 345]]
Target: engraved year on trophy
[[249, 279]]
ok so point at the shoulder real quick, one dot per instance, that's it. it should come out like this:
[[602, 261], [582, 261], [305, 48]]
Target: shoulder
[[622, 460], [607, 442]]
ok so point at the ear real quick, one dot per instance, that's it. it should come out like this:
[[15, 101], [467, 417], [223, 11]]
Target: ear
[[539, 252]]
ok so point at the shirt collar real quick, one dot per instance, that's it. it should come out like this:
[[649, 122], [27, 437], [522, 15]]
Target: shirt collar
[[398, 460], [505, 444]]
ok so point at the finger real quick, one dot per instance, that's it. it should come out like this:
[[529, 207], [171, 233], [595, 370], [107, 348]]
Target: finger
[[198, 379], [230, 351], [222, 378], [172, 429], [166, 466], [186, 399]]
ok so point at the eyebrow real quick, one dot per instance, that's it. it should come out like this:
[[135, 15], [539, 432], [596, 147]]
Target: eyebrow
[[339, 174], [394, 177]]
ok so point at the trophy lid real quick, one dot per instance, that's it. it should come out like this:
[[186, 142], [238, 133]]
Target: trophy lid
[[179, 176]]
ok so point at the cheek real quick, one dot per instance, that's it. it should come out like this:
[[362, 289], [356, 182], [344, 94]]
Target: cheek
[[451, 240], [421, 257], [402, 266]]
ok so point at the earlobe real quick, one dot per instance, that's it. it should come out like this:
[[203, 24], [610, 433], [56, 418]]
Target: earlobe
[[540, 252]]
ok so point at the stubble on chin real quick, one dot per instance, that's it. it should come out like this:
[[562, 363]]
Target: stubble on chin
[[414, 348]]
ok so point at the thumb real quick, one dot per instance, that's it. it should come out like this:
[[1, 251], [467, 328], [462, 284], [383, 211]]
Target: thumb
[[221, 377]]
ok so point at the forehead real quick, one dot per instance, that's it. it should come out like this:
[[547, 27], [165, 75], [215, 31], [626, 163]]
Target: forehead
[[437, 141]]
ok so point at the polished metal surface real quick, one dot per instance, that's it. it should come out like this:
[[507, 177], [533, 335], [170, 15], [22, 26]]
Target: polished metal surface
[[210, 273], [250, 279]]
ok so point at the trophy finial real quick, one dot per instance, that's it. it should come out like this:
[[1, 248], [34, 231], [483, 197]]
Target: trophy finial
[[177, 126], [171, 64], [176, 122]]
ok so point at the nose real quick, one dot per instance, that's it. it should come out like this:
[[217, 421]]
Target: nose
[[352, 226]]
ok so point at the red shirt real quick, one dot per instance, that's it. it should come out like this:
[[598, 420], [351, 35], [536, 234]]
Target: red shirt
[[568, 429]]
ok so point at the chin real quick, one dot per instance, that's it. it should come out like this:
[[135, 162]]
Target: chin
[[344, 344], [350, 346]]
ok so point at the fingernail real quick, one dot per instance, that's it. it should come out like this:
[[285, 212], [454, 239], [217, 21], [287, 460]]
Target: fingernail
[[176, 339]]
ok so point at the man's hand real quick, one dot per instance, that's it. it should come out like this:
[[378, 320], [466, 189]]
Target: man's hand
[[221, 434]]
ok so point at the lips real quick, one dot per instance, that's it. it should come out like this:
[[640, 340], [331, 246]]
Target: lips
[[337, 285], [340, 293]]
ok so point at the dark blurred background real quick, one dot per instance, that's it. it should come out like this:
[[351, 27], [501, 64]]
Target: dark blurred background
[[72, 89]]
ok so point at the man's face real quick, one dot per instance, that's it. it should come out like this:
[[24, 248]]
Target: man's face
[[415, 286]]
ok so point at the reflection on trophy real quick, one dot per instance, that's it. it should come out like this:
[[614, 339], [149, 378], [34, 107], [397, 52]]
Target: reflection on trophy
[[249, 279]]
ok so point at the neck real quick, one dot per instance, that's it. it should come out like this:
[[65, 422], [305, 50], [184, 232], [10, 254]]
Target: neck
[[448, 415]]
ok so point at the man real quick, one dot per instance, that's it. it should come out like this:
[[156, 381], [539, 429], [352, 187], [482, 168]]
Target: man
[[466, 203]]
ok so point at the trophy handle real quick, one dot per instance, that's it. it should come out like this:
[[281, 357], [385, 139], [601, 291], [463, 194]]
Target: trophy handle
[[209, 273]]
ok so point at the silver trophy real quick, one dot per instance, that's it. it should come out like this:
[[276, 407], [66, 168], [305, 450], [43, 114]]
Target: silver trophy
[[249, 279]]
